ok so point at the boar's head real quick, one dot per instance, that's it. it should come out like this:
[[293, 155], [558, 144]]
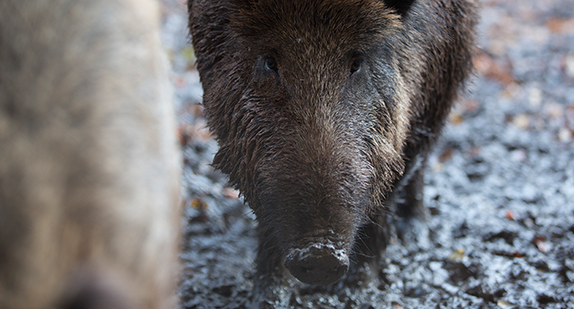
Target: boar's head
[[310, 111]]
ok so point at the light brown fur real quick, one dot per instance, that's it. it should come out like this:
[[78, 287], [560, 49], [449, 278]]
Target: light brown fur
[[88, 158]]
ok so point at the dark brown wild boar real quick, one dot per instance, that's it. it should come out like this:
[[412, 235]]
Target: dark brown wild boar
[[325, 111], [89, 166]]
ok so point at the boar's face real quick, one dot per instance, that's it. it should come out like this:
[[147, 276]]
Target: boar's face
[[307, 104]]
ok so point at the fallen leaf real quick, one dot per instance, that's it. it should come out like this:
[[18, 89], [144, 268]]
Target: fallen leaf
[[504, 304], [188, 53], [230, 193], [445, 155], [189, 132], [509, 215], [455, 118], [456, 255], [198, 204], [560, 25], [540, 242], [198, 109], [183, 135], [516, 254], [469, 105], [494, 69], [204, 133], [396, 305]]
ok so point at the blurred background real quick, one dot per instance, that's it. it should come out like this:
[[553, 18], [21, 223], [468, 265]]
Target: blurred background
[[500, 186]]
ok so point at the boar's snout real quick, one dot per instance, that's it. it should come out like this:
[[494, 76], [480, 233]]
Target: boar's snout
[[317, 263]]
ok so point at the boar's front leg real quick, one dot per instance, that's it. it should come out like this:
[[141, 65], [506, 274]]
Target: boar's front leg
[[273, 283], [409, 203], [372, 239]]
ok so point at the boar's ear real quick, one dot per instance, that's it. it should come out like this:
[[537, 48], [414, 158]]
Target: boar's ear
[[401, 6]]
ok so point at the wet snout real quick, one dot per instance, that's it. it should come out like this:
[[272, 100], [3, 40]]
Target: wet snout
[[317, 263]]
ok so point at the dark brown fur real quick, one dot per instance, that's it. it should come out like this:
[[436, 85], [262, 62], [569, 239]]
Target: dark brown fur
[[88, 158], [316, 146]]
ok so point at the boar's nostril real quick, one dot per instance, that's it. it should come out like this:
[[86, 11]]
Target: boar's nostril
[[317, 264]]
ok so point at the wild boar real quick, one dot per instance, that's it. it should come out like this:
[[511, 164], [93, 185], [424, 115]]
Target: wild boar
[[325, 112], [89, 164]]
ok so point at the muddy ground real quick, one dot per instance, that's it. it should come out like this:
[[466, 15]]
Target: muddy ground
[[500, 186]]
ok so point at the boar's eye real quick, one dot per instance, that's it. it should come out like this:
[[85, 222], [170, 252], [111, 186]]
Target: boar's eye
[[356, 65], [270, 64]]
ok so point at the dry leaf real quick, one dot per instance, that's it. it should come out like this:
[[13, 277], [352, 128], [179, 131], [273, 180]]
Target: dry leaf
[[494, 69], [183, 135], [540, 242], [456, 118], [560, 25], [189, 132], [203, 132], [396, 305], [516, 254], [504, 304], [198, 204], [231, 193], [468, 105], [456, 255], [509, 215], [445, 155]]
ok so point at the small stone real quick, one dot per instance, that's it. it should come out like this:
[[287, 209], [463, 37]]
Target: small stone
[[522, 121], [565, 135]]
